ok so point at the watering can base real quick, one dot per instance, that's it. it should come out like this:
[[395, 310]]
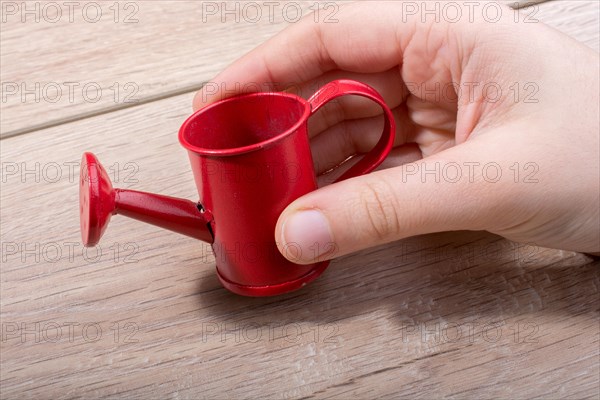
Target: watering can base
[[273, 290]]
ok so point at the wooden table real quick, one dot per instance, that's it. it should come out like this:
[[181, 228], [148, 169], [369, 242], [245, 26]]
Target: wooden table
[[461, 315]]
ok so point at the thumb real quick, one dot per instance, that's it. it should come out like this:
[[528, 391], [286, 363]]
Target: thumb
[[444, 192]]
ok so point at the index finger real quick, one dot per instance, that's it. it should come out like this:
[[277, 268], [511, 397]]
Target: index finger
[[307, 49]]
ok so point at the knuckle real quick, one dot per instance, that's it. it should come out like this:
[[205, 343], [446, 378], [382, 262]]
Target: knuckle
[[381, 217]]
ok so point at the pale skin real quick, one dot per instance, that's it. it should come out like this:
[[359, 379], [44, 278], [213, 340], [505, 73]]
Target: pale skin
[[546, 148]]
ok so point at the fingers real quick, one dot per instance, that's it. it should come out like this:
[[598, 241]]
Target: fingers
[[403, 154], [358, 136], [388, 84], [385, 206], [307, 50]]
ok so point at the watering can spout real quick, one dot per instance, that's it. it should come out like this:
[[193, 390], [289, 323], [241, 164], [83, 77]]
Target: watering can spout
[[98, 201]]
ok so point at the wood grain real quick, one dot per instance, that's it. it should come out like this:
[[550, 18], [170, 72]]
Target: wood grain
[[465, 314], [84, 68], [578, 19], [137, 51], [459, 315]]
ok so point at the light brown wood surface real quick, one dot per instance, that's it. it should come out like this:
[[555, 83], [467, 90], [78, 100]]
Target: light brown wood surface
[[155, 49], [459, 315], [51, 71]]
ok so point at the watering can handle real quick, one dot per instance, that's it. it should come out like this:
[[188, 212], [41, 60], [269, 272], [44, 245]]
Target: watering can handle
[[342, 87]]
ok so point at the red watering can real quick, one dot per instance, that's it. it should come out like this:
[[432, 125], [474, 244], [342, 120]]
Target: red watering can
[[250, 156]]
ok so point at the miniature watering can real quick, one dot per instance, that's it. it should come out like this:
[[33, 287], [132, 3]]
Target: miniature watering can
[[250, 157]]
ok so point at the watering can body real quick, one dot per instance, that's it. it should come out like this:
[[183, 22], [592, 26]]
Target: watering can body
[[250, 156]]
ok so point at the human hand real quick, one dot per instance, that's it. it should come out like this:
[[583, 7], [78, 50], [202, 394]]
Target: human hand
[[471, 100]]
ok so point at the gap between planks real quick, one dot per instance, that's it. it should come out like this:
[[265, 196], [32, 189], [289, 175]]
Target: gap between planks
[[104, 110], [517, 4]]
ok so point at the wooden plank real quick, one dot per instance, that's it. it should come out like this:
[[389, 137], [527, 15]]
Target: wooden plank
[[462, 314], [578, 19], [99, 56], [70, 67], [457, 314]]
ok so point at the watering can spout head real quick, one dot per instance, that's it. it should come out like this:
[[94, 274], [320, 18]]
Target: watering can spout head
[[98, 201]]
